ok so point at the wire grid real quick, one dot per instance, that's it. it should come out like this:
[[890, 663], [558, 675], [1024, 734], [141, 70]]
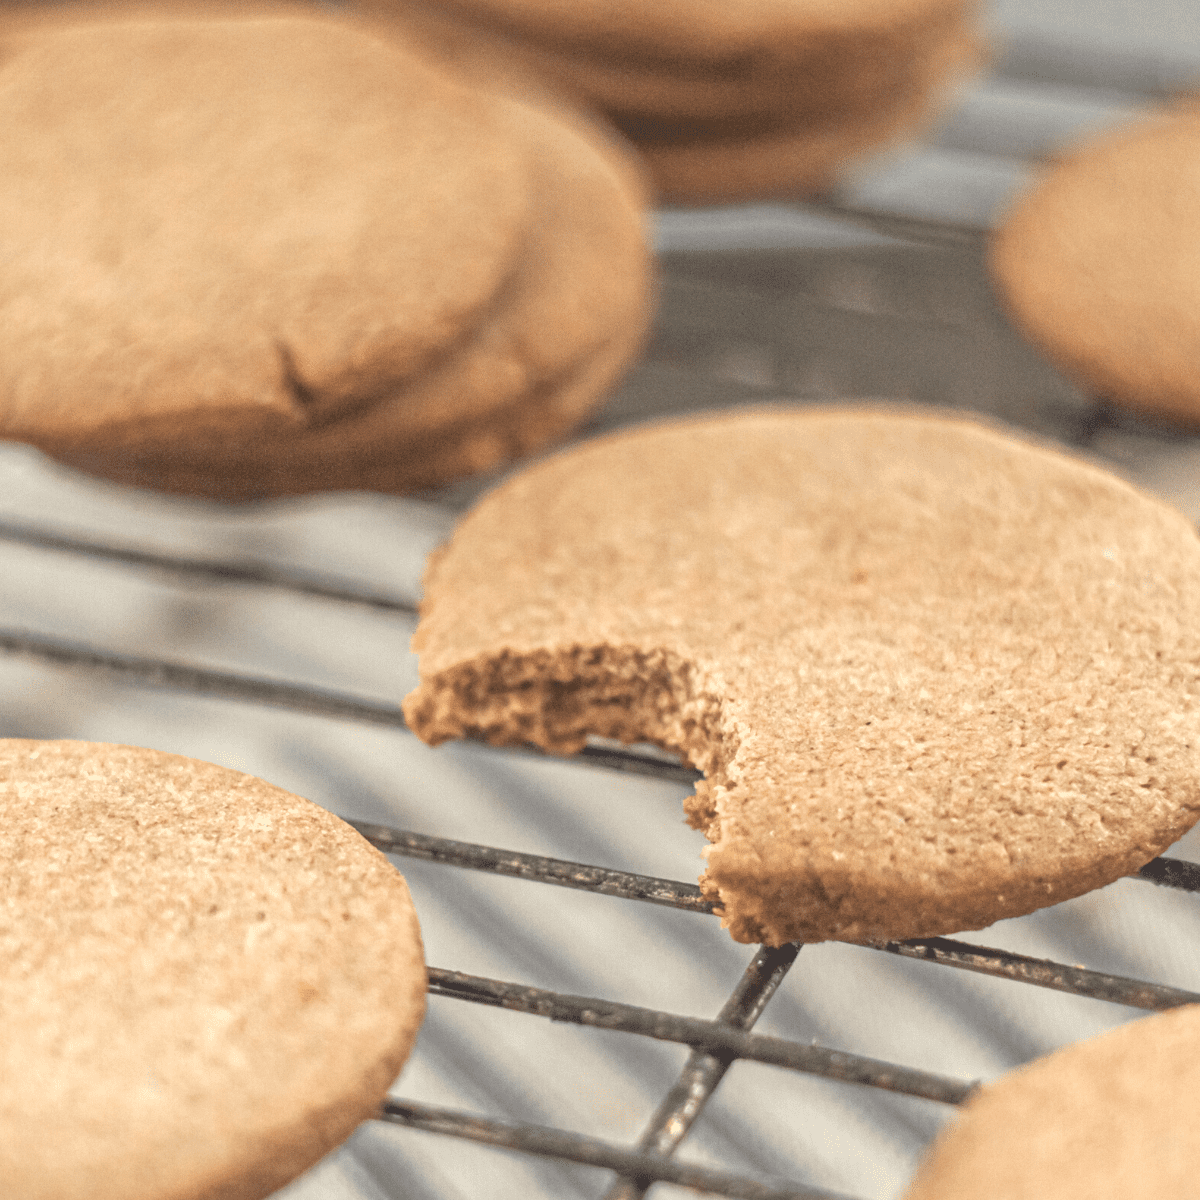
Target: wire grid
[[905, 201], [715, 1045]]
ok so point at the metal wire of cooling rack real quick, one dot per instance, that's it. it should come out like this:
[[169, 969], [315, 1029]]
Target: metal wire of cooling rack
[[715, 1044], [890, 262]]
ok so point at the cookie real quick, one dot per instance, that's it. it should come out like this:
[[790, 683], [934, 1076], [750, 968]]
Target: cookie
[[499, 395], [780, 158], [698, 33], [933, 676], [678, 66], [1094, 264], [697, 71], [152, 240], [207, 982], [1103, 1119], [288, 271]]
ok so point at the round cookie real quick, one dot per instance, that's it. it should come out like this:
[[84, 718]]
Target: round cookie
[[206, 982], [236, 225], [1104, 1119], [581, 294], [797, 61], [696, 77], [713, 33], [934, 676], [806, 158], [1097, 265]]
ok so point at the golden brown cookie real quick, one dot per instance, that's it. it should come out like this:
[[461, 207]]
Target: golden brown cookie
[[206, 982], [1105, 1119], [934, 676], [217, 218], [790, 156], [679, 76], [581, 294], [721, 34], [1097, 267], [317, 254], [677, 65]]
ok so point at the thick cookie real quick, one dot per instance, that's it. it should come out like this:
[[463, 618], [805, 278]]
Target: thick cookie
[[213, 222], [697, 71], [791, 155], [1105, 1119], [206, 982], [934, 676], [308, 267], [1097, 265], [495, 396]]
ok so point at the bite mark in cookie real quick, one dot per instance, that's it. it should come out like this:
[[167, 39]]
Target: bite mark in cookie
[[934, 676]]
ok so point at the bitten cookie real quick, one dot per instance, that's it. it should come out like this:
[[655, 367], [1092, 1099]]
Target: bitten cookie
[[1097, 265], [263, 256], [810, 85], [934, 676], [1105, 1119], [206, 982]]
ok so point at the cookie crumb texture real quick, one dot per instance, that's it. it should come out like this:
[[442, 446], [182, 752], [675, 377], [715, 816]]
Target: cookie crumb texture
[[1105, 1119], [206, 982], [933, 676]]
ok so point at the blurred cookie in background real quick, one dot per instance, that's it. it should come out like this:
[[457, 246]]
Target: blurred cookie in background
[[1097, 264], [273, 253], [731, 101]]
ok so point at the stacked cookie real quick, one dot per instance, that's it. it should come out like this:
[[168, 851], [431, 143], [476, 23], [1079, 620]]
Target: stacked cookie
[[259, 256], [1097, 264], [731, 100], [206, 982]]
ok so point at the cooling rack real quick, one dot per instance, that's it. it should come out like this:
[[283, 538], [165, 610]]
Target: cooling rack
[[715, 1045], [262, 638]]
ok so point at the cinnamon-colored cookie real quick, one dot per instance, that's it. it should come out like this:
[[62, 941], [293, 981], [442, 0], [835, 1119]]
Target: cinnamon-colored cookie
[[714, 164], [1097, 264], [580, 296], [206, 982], [1105, 1119], [217, 218], [700, 71], [318, 263], [934, 676]]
